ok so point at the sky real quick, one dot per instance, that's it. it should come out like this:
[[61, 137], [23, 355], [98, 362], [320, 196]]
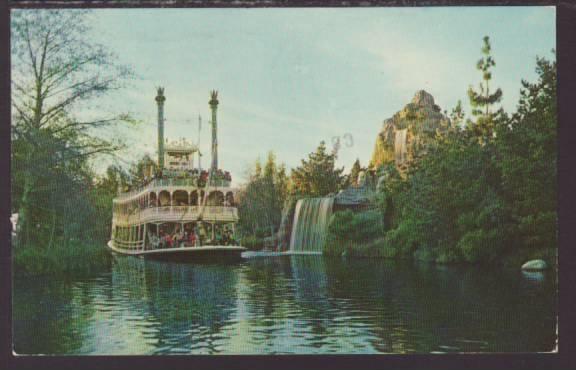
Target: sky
[[290, 78]]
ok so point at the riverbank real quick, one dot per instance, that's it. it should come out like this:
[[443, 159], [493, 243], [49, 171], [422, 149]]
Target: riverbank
[[60, 259], [379, 248]]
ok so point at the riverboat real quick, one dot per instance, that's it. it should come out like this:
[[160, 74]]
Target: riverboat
[[180, 212]]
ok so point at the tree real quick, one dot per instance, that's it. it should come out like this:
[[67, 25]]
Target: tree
[[457, 116], [483, 100], [317, 176], [55, 70], [142, 169], [527, 153], [262, 198], [282, 183], [354, 172]]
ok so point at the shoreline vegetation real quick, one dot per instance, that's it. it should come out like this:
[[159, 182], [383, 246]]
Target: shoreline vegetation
[[62, 259], [480, 190]]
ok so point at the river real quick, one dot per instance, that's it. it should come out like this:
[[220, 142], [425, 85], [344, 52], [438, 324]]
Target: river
[[285, 304]]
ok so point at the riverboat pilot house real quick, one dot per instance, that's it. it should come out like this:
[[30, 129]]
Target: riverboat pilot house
[[179, 204]]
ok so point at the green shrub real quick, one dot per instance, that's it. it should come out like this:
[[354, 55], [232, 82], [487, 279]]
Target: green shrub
[[406, 238], [424, 255], [481, 245], [340, 225], [252, 242], [347, 225], [60, 258], [448, 255]]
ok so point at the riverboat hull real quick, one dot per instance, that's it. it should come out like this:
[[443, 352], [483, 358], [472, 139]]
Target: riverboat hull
[[211, 253]]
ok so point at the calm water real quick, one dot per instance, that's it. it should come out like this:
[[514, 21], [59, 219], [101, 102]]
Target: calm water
[[298, 304]]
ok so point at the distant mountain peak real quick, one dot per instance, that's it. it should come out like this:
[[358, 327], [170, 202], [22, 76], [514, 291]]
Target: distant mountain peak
[[423, 98]]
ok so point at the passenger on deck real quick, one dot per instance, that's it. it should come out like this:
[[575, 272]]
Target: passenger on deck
[[179, 239], [192, 239], [161, 240], [154, 241], [169, 241]]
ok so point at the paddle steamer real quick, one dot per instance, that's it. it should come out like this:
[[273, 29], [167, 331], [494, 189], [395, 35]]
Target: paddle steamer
[[180, 212]]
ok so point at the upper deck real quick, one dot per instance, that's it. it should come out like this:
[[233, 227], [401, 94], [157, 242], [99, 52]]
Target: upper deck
[[193, 182]]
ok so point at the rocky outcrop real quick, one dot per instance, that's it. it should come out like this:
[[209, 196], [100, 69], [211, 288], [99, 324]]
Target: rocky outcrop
[[407, 134], [358, 196]]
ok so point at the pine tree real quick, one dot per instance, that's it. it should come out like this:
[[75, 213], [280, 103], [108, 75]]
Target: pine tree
[[282, 183], [270, 167], [263, 197], [457, 115], [257, 172], [527, 152], [317, 176], [483, 100]]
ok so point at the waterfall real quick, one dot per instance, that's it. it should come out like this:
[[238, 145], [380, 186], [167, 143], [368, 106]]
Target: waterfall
[[310, 224], [400, 146]]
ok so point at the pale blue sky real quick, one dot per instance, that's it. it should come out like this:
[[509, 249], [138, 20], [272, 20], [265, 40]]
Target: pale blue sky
[[289, 78]]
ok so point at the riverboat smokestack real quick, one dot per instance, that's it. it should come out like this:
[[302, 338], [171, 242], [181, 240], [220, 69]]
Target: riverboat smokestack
[[160, 98], [214, 107]]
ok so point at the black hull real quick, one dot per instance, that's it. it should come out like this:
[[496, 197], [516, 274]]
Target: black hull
[[205, 257], [211, 254]]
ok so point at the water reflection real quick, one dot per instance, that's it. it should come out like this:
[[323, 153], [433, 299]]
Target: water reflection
[[297, 304]]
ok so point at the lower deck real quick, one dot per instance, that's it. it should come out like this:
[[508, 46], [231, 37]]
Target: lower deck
[[173, 235]]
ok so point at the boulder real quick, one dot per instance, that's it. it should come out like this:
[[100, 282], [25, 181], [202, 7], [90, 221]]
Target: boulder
[[535, 265]]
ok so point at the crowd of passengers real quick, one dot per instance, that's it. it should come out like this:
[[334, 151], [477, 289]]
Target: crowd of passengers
[[195, 237]]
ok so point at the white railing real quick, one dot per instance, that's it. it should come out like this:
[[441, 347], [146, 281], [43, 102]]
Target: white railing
[[131, 245], [177, 213], [171, 182]]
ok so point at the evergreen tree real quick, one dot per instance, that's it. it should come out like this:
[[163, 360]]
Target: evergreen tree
[[483, 100], [262, 198], [317, 176], [257, 171], [527, 153], [282, 183], [457, 116]]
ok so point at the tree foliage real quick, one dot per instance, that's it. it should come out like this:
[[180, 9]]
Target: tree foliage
[[483, 100], [317, 176], [56, 72], [262, 198]]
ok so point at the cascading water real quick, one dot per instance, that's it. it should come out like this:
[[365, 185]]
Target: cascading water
[[400, 146], [310, 224]]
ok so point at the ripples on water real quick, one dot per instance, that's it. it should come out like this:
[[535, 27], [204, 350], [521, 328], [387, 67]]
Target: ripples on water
[[285, 304]]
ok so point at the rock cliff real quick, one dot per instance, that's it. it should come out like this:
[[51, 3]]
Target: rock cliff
[[406, 135]]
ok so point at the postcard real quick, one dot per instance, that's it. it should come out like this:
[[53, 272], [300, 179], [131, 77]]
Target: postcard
[[272, 181]]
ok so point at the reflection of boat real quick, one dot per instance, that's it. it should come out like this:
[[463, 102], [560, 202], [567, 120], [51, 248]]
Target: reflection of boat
[[180, 212], [169, 308]]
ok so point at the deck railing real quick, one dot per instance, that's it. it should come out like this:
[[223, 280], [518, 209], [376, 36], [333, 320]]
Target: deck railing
[[177, 213], [167, 182], [131, 245]]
